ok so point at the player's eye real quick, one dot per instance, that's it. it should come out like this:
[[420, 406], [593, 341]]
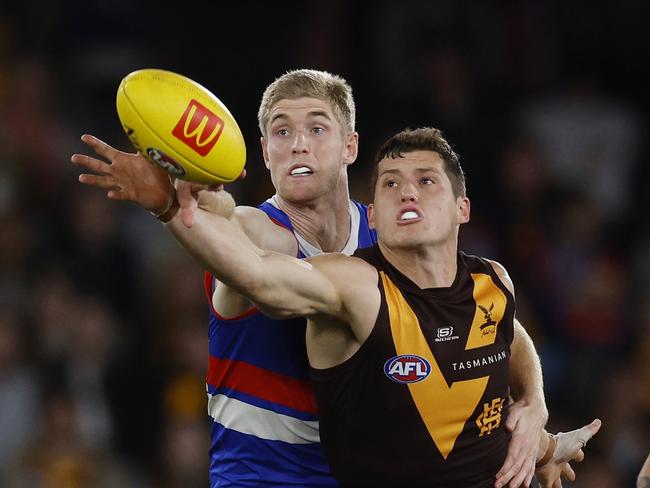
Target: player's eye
[[282, 132], [391, 183], [426, 181], [318, 130]]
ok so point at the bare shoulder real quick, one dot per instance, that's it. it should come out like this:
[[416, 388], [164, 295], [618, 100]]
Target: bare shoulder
[[264, 233], [502, 273], [355, 282], [354, 279]]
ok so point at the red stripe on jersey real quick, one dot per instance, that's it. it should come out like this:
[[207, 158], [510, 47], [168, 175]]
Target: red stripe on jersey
[[207, 287], [208, 279], [269, 386]]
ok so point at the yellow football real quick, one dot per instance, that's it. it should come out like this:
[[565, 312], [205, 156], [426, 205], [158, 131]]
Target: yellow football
[[181, 126]]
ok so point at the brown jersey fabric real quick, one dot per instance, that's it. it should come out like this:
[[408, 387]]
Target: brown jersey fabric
[[423, 402]]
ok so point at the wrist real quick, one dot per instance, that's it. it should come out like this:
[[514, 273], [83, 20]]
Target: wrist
[[170, 210], [547, 446]]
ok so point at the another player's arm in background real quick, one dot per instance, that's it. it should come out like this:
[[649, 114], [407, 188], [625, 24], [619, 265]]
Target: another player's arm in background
[[528, 415], [643, 481]]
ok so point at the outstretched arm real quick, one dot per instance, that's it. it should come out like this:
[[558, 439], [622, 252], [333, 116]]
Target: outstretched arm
[[280, 285], [132, 178]]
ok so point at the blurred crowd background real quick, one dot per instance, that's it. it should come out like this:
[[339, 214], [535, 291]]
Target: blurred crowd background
[[103, 321]]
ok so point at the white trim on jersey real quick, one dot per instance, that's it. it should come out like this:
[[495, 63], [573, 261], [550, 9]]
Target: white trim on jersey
[[308, 249], [260, 422]]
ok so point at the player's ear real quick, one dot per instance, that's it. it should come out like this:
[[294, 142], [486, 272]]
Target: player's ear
[[351, 148], [464, 207], [371, 216], [265, 151]]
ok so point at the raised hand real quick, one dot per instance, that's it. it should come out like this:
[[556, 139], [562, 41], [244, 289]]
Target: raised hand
[[126, 176]]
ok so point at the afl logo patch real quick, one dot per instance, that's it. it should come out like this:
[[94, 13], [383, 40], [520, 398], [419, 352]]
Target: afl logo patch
[[165, 161], [407, 368]]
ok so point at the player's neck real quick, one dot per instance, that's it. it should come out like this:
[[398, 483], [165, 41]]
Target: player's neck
[[324, 222], [428, 266]]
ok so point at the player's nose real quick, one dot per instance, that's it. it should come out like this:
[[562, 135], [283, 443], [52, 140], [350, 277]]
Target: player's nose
[[409, 194], [299, 143]]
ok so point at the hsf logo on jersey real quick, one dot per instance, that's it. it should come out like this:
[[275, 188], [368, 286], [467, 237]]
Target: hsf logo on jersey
[[407, 368]]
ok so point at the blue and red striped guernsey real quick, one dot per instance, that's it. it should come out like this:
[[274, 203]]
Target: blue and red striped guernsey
[[260, 400]]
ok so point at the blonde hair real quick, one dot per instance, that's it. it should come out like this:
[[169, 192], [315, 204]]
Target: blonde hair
[[314, 84]]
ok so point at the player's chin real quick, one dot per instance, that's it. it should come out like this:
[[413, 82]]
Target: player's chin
[[404, 241], [302, 191]]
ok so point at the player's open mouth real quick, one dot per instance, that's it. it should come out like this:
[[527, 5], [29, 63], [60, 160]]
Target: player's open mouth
[[301, 171], [408, 216]]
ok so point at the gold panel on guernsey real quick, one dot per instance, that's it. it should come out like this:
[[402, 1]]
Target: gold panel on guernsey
[[490, 308], [444, 409]]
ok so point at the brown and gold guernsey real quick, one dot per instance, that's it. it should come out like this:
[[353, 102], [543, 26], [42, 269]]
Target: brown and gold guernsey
[[424, 400]]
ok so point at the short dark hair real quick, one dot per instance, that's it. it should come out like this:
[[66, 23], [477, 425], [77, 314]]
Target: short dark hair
[[422, 139]]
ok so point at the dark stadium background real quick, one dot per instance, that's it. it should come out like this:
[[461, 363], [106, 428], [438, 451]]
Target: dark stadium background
[[102, 317]]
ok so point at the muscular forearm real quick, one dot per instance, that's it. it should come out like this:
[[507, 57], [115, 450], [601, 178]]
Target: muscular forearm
[[526, 371], [280, 285]]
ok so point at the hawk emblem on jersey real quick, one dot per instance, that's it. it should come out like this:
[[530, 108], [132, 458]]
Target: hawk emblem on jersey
[[488, 320], [490, 309]]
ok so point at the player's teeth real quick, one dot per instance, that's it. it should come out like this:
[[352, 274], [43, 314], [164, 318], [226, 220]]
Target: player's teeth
[[303, 170], [409, 215]]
